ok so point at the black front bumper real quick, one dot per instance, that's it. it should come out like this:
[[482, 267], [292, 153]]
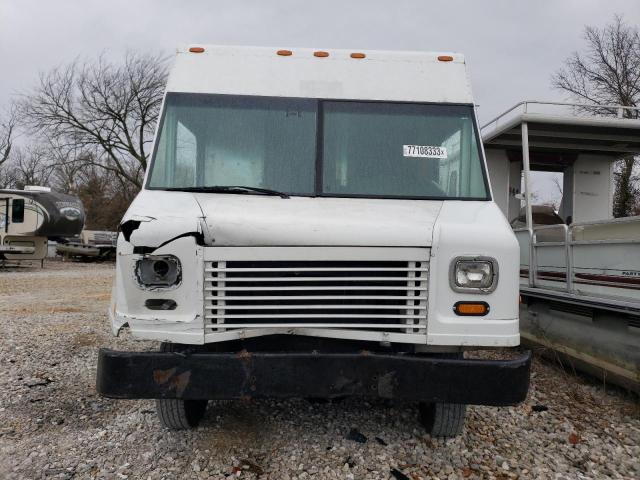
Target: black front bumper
[[322, 375]]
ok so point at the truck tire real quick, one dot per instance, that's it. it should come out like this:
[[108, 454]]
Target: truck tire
[[443, 419], [177, 414]]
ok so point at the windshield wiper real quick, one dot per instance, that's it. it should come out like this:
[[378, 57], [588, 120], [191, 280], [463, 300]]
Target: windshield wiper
[[237, 189]]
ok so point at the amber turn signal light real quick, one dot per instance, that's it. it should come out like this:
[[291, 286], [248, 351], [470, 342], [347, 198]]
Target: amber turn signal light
[[284, 53], [445, 58], [196, 49], [320, 54], [478, 309], [358, 55]]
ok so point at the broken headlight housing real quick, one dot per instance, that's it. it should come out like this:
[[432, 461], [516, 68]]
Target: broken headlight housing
[[158, 271], [474, 274]]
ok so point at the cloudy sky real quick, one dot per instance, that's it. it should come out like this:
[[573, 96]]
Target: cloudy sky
[[512, 47]]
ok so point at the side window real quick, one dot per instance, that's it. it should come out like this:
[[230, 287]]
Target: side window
[[176, 156], [186, 152], [17, 210]]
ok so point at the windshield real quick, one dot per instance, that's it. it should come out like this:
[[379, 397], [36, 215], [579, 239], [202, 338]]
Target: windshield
[[318, 147]]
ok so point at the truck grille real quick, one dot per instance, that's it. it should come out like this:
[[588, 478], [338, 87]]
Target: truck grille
[[379, 296]]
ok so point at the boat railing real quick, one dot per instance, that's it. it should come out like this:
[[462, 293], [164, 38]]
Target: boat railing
[[567, 240], [608, 221], [561, 108], [532, 279]]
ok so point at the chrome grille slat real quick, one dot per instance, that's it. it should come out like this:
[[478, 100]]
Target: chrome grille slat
[[255, 298], [319, 325], [249, 288], [309, 315], [309, 306], [317, 269], [360, 294], [316, 279]]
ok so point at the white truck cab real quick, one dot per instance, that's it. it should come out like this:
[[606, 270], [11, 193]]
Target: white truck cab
[[316, 224]]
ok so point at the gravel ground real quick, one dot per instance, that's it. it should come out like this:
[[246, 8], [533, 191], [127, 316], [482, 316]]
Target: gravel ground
[[53, 425]]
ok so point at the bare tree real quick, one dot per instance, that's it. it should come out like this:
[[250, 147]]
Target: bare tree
[[103, 108], [68, 163], [608, 73], [8, 177], [32, 166], [7, 135], [104, 198], [66, 176], [558, 187]]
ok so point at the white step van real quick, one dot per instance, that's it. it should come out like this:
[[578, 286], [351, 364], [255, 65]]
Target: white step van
[[316, 224]]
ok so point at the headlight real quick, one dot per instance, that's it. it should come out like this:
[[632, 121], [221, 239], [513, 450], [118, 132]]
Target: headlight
[[474, 274], [158, 271]]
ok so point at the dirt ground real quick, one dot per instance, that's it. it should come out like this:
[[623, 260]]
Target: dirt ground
[[54, 425]]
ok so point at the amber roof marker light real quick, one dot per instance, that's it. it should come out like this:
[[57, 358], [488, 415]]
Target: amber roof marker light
[[357, 55], [321, 54], [445, 58], [284, 53], [196, 50]]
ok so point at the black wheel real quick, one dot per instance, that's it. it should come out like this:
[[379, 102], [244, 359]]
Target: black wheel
[[177, 414], [443, 419]]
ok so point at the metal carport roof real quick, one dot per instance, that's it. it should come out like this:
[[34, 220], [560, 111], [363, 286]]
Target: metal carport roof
[[574, 129]]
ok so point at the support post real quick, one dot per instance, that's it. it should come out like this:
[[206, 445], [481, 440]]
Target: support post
[[569, 253], [527, 198]]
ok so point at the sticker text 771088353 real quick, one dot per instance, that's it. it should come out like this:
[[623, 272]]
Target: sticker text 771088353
[[424, 151]]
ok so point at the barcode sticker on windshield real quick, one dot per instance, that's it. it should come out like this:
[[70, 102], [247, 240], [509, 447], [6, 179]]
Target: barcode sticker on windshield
[[424, 151]]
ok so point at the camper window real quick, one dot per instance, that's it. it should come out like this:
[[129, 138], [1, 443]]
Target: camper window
[[17, 210]]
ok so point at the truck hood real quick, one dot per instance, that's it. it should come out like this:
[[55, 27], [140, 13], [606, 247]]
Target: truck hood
[[157, 217]]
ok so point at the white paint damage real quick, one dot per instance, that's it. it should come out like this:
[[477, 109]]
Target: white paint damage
[[257, 220], [184, 324]]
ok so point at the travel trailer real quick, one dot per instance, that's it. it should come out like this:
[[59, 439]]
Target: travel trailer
[[317, 224], [29, 217], [579, 267]]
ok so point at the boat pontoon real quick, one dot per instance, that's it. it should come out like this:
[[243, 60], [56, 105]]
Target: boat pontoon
[[579, 267], [92, 245]]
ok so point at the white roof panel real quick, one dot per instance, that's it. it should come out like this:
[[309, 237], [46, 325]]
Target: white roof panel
[[381, 75]]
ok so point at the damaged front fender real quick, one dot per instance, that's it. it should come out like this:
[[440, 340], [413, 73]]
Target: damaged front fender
[[153, 221], [150, 234], [131, 301]]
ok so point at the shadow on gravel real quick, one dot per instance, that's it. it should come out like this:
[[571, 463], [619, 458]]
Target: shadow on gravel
[[256, 423]]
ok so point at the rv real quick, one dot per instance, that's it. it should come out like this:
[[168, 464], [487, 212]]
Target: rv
[[29, 217], [317, 224]]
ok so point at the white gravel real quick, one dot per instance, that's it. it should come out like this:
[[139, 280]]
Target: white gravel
[[53, 425]]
